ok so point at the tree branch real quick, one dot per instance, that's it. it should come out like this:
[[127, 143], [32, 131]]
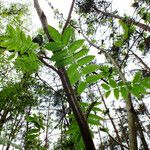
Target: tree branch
[[69, 16], [127, 20], [70, 93]]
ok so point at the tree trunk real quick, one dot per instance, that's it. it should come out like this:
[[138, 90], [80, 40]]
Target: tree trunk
[[73, 102], [131, 124], [112, 122], [139, 128], [129, 105]]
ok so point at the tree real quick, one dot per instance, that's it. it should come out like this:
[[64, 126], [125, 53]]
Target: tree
[[86, 84]]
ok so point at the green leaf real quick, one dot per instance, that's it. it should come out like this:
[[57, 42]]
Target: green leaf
[[93, 122], [95, 117], [124, 93], [59, 55], [81, 53], [76, 77], [72, 69], [85, 60], [10, 30], [137, 90], [112, 83], [77, 137], [96, 109], [75, 45], [146, 82], [32, 131], [90, 68], [67, 35], [119, 43], [32, 136], [93, 78], [53, 46], [116, 93], [71, 130], [141, 89], [137, 77], [105, 86], [64, 62], [84, 104], [107, 94], [82, 86], [12, 56], [120, 83], [54, 34], [96, 103]]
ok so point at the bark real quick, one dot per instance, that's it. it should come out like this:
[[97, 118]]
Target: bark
[[129, 105], [131, 125], [73, 102], [127, 20], [112, 122], [3, 119], [142, 137], [111, 143]]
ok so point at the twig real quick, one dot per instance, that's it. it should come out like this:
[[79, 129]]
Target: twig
[[48, 65], [69, 16]]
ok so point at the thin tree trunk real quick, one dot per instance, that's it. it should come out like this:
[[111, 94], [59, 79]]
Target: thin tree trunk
[[131, 124], [73, 102], [113, 124], [129, 105], [139, 128]]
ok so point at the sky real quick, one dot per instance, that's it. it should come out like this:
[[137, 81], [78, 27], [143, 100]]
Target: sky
[[123, 6]]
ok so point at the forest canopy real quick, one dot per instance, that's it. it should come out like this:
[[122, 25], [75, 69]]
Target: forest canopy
[[79, 82]]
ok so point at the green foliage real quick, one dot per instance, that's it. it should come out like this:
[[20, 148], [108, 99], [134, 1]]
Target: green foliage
[[92, 118], [124, 92], [75, 46], [144, 14], [85, 60], [137, 77], [137, 87], [54, 46], [67, 35], [116, 93], [32, 135], [90, 68], [128, 30], [19, 44], [112, 83], [54, 34], [81, 87], [4, 141], [73, 56], [28, 63], [93, 78], [17, 95], [105, 86], [15, 39]]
